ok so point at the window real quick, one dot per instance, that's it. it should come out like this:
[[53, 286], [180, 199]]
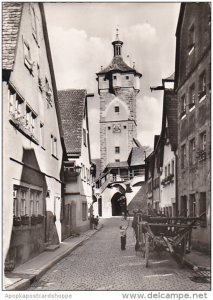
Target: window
[[191, 39], [48, 92], [32, 203], [183, 156], [202, 86], [168, 169], [192, 205], [30, 120], [84, 137], [183, 206], [165, 172], [84, 211], [42, 135], [34, 21], [124, 126], [202, 206], [183, 105], [173, 167], [37, 208], [192, 152], [191, 96], [109, 127], [114, 77], [127, 77], [12, 97], [15, 202], [117, 160], [53, 145], [116, 108], [117, 149], [203, 141], [23, 203], [27, 56], [39, 78]]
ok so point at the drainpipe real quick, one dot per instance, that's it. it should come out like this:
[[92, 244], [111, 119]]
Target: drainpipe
[[176, 183]]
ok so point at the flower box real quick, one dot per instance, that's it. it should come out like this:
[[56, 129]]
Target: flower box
[[34, 220], [40, 219], [17, 221], [25, 220]]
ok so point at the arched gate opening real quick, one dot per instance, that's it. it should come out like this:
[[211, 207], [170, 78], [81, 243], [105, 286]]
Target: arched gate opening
[[118, 202]]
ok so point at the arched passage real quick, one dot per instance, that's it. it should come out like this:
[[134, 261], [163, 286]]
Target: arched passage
[[118, 204]]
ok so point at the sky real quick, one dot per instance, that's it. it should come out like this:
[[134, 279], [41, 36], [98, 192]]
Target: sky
[[81, 36]]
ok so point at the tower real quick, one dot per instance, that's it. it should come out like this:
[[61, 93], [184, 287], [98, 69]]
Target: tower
[[118, 86]]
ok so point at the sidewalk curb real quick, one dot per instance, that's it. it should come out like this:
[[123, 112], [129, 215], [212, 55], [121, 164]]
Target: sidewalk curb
[[23, 284]]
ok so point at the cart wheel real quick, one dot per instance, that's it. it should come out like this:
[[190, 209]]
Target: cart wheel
[[147, 250]]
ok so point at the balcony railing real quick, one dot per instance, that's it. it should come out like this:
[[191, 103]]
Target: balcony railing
[[108, 178]]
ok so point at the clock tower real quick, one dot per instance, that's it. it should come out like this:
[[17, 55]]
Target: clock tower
[[118, 86]]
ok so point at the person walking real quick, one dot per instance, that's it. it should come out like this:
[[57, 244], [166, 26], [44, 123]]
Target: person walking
[[96, 220]]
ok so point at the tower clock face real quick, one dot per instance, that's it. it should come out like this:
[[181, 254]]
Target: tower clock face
[[116, 128]]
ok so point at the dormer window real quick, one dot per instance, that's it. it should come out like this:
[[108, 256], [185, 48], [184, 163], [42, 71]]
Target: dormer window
[[116, 108], [183, 106], [192, 96], [27, 57], [191, 40], [202, 86]]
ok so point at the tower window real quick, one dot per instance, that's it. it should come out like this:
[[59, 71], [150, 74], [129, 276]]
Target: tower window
[[117, 149], [116, 108]]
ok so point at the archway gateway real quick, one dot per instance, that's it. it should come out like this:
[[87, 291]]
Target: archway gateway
[[118, 202]]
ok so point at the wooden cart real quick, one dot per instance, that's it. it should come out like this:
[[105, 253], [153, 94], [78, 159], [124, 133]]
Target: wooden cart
[[166, 234]]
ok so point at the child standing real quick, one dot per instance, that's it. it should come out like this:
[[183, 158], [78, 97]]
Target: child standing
[[123, 237]]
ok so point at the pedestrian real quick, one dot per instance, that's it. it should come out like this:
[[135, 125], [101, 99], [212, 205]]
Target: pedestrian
[[96, 220], [123, 237]]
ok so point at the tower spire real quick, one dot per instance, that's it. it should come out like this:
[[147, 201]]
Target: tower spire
[[117, 44]]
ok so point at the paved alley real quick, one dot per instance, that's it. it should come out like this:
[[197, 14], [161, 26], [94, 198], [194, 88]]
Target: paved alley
[[100, 265]]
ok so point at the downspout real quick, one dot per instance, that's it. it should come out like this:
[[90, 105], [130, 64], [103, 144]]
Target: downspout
[[176, 183]]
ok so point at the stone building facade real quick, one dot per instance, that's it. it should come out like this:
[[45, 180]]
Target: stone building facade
[[193, 87], [32, 151], [118, 85]]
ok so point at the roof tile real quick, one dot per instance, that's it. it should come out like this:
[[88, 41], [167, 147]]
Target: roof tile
[[72, 104], [11, 17]]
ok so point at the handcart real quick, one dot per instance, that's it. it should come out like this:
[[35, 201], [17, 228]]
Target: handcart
[[172, 234]]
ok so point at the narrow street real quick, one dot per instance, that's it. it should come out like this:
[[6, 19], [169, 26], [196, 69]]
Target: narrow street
[[99, 264]]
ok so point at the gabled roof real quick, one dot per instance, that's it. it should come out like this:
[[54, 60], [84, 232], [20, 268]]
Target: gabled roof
[[11, 18], [118, 64], [136, 157], [72, 107]]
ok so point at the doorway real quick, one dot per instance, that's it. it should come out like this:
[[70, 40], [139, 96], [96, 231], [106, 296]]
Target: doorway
[[118, 202]]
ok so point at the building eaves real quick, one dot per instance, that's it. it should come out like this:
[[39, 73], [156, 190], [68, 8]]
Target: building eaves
[[118, 64], [52, 74]]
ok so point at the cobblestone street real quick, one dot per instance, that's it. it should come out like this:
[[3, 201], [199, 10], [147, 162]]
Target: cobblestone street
[[100, 265]]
